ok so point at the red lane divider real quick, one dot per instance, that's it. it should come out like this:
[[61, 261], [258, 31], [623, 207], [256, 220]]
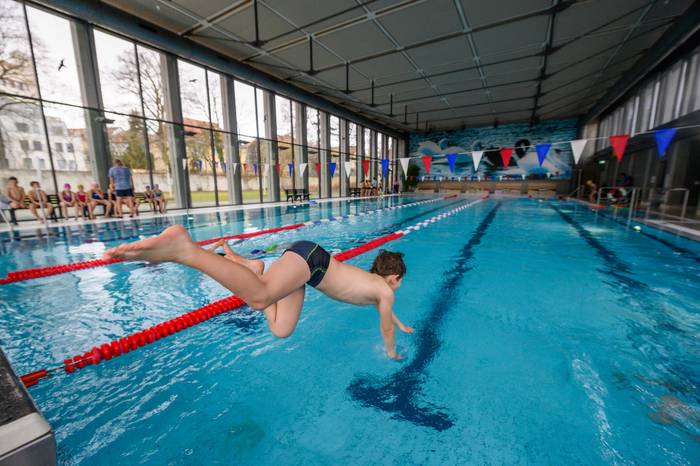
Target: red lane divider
[[39, 272], [123, 345]]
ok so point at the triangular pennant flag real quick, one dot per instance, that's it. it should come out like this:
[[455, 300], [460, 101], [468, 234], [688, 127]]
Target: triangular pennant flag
[[385, 167], [290, 167], [404, 164], [244, 166], [225, 167], [452, 161], [663, 139], [277, 167], [234, 167], [266, 169], [476, 156], [332, 166], [255, 169], [427, 160], [318, 168], [506, 154], [302, 168], [619, 144], [365, 167], [348, 168], [542, 150], [577, 146]]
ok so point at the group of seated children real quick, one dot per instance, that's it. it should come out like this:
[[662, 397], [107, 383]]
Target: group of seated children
[[369, 188], [84, 202]]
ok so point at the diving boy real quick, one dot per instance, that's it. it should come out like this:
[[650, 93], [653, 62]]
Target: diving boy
[[279, 291]]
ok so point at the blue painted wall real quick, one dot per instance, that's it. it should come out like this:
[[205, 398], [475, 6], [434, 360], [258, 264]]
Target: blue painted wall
[[519, 136]]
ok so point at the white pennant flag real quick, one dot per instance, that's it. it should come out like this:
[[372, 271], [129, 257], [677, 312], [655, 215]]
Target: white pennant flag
[[266, 167], [404, 164], [348, 168], [302, 168], [577, 146], [235, 167], [476, 156]]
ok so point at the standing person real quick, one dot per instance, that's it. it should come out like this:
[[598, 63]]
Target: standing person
[[37, 199], [68, 199], [121, 177], [97, 197]]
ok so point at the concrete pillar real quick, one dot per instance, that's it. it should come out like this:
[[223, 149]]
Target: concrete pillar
[[344, 157], [301, 150], [89, 77], [359, 174], [231, 149], [176, 132], [324, 154], [270, 155]]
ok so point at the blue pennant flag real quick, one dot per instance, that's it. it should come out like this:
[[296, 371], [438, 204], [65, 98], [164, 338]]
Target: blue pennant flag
[[225, 168], [332, 166], [452, 160], [199, 165], [663, 139], [255, 169], [542, 150], [385, 167], [291, 168]]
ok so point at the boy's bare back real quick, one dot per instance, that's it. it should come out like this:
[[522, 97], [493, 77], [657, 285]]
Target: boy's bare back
[[353, 285]]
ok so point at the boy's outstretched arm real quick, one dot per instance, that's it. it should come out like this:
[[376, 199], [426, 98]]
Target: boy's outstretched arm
[[400, 325], [386, 326]]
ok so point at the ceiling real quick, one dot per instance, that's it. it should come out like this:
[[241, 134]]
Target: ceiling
[[444, 63]]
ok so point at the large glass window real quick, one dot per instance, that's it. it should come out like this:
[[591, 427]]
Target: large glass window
[[352, 139], [313, 138], [248, 144], [284, 113], [668, 94], [335, 154]]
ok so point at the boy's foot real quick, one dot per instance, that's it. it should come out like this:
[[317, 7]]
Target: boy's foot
[[257, 266], [174, 244]]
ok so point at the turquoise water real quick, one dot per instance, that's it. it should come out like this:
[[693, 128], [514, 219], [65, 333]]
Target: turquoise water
[[545, 334]]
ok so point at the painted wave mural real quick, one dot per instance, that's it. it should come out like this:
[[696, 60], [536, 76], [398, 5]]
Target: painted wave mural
[[520, 136]]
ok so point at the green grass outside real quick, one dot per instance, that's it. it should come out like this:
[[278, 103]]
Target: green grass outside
[[207, 197]]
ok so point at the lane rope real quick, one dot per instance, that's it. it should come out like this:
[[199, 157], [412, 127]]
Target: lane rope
[[47, 271], [134, 341]]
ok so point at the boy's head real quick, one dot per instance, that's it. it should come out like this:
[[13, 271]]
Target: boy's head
[[389, 265], [12, 181], [34, 184]]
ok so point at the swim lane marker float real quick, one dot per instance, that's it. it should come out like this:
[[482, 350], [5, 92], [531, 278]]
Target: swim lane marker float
[[40, 272], [123, 345]]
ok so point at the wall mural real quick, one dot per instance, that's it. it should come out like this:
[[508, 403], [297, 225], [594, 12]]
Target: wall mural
[[518, 136]]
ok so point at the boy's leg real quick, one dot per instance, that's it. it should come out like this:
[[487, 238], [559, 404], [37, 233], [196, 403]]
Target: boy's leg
[[286, 275], [282, 316]]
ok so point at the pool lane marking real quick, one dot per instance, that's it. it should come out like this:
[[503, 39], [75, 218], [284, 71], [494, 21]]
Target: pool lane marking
[[46, 271], [633, 289], [123, 345], [688, 254], [399, 393]]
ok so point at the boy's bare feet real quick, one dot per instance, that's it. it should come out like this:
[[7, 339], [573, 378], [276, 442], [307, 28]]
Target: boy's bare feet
[[257, 266], [174, 244]]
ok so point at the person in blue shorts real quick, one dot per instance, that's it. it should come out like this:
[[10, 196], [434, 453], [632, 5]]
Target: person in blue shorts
[[123, 182]]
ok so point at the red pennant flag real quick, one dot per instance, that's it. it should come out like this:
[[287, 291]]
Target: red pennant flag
[[318, 168], [365, 166], [278, 169], [427, 160], [243, 168], [506, 154], [619, 144]]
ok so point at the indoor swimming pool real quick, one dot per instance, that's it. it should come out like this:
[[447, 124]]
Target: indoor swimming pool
[[546, 333]]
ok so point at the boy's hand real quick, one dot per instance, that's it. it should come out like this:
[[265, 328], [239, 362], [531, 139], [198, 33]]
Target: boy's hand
[[406, 328], [395, 356]]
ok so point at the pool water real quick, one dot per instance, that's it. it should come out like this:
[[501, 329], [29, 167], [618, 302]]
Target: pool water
[[545, 334]]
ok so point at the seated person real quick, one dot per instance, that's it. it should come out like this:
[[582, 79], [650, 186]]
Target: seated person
[[69, 199], [37, 200], [279, 292], [150, 197], [592, 191], [112, 197], [16, 194], [97, 197], [82, 199], [160, 198]]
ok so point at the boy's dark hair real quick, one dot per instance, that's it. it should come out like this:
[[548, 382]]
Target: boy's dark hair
[[12, 178], [389, 263], [34, 183]]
